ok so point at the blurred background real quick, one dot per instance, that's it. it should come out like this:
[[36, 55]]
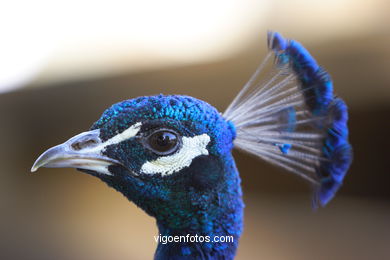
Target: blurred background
[[62, 63]]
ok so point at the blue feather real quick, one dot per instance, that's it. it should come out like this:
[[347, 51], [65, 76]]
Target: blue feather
[[294, 120], [338, 152]]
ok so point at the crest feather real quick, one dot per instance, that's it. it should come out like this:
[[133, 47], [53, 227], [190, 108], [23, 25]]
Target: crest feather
[[293, 120]]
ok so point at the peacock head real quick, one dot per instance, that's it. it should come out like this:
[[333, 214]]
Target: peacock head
[[161, 152], [171, 155]]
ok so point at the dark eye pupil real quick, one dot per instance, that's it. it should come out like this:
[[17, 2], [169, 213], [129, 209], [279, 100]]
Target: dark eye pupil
[[163, 141]]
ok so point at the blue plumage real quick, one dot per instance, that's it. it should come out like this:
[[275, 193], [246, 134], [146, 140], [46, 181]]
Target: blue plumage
[[294, 120], [338, 152], [317, 88], [315, 82], [171, 154]]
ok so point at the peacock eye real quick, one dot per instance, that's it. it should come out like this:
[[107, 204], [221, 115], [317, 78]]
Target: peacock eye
[[163, 142]]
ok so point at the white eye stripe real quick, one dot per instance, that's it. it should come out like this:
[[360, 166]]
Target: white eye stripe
[[127, 134], [192, 147]]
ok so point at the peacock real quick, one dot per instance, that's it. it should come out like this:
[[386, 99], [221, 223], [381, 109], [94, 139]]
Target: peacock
[[171, 155]]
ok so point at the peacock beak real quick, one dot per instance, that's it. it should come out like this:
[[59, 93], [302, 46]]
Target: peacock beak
[[83, 151]]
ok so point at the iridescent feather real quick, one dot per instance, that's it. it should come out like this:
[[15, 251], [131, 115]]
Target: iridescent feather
[[293, 119]]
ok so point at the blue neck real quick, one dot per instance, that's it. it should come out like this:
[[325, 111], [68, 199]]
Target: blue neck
[[220, 215], [207, 202]]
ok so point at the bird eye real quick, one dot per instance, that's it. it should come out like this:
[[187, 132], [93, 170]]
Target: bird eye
[[163, 142]]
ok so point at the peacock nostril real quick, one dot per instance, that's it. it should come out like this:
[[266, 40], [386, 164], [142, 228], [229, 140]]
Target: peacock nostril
[[88, 143]]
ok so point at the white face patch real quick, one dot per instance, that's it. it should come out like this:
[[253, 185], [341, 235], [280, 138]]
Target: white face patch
[[127, 134], [192, 147]]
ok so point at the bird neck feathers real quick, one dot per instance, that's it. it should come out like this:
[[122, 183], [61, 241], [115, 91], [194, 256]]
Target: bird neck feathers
[[218, 214]]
